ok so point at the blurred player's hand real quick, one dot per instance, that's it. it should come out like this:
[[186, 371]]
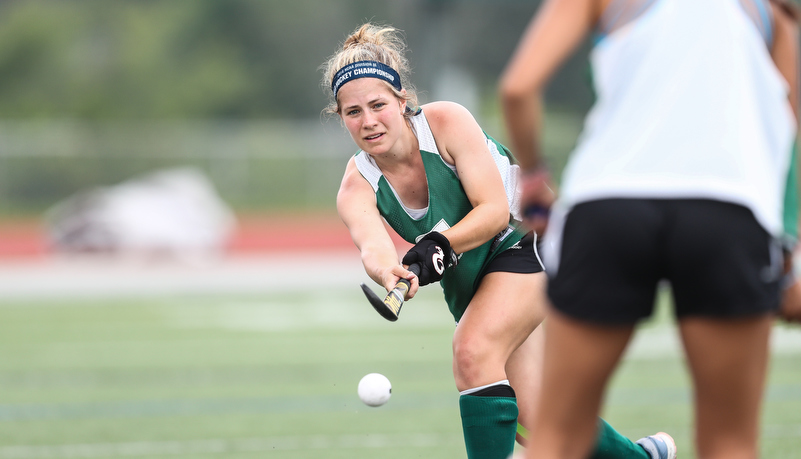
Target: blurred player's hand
[[790, 309], [538, 194]]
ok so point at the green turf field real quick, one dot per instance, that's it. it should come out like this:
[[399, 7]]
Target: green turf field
[[275, 375]]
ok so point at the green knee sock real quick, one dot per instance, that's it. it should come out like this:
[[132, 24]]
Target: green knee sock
[[489, 425], [611, 445]]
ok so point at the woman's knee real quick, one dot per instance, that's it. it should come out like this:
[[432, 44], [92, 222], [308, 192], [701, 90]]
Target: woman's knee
[[476, 362]]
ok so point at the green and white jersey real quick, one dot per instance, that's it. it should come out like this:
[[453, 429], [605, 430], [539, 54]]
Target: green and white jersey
[[447, 205]]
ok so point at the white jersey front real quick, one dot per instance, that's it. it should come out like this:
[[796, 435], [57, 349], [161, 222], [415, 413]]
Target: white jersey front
[[690, 105]]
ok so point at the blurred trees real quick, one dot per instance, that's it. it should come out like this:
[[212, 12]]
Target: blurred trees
[[233, 59], [144, 59], [93, 92]]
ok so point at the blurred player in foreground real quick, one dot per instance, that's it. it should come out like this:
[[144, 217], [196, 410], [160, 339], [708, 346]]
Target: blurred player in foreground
[[445, 186], [679, 174]]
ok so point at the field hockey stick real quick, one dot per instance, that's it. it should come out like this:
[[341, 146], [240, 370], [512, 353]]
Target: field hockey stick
[[390, 307]]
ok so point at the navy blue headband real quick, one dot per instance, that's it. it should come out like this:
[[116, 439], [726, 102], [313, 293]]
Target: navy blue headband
[[363, 69]]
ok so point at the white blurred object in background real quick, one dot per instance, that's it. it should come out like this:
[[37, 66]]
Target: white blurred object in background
[[173, 212]]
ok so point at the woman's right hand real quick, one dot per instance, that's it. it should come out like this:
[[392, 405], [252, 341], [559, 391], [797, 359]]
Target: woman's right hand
[[391, 276]]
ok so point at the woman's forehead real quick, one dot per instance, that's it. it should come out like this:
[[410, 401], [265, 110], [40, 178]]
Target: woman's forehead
[[364, 89]]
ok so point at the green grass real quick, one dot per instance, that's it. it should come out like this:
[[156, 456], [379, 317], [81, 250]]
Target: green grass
[[265, 375]]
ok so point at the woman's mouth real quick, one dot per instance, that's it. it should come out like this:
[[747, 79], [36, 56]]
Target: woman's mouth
[[370, 138]]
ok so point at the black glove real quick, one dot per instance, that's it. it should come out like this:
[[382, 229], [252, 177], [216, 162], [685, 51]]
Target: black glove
[[434, 254]]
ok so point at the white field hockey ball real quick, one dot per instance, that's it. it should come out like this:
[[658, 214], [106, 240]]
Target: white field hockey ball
[[374, 389]]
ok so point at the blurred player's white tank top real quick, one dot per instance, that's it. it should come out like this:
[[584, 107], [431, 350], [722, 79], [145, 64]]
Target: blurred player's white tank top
[[689, 105]]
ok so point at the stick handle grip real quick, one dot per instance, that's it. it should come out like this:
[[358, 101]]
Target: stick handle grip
[[394, 299], [415, 269]]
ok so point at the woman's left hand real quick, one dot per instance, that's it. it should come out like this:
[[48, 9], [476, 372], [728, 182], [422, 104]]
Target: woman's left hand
[[434, 254]]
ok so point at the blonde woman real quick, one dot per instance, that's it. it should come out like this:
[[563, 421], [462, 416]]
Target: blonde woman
[[448, 188]]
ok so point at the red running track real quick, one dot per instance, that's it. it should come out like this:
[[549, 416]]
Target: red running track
[[254, 234]]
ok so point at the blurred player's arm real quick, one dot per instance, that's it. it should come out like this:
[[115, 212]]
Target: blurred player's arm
[[785, 47], [356, 205], [552, 36]]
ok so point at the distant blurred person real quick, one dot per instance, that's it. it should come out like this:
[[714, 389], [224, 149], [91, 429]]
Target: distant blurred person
[[442, 184], [679, 175]]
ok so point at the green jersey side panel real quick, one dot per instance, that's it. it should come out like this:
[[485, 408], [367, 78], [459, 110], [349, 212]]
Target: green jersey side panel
[[791, 210]]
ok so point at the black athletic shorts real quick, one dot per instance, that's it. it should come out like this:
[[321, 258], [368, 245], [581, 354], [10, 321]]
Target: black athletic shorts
[[614, 252], [522, 257]]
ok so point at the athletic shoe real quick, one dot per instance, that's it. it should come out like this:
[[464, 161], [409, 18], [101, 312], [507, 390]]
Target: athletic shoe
[[659, 446]]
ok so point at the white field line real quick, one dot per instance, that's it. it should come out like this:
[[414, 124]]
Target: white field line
[[664, 341], [222, 446], [255, 445], [71, 277], [427, 310], [340, 310]]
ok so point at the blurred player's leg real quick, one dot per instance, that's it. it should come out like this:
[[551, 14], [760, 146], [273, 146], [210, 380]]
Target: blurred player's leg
[[567, 420], [736, 353], [524, 369]]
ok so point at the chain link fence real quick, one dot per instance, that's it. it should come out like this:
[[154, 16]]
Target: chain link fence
[[256, 166]]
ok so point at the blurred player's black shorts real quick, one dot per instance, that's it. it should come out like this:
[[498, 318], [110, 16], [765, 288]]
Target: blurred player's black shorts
[[717, 258]]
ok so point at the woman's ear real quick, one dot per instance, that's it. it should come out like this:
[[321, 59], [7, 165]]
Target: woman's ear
[[403, 101]]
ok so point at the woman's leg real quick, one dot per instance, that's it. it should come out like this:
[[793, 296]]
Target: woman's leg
[[502, 315], [524, 369], [579, 358], [728, 360]]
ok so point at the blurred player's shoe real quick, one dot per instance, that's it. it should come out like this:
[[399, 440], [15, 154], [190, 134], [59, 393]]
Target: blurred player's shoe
[[659, 446]]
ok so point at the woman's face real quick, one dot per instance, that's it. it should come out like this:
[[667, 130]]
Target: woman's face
[[372, 114]]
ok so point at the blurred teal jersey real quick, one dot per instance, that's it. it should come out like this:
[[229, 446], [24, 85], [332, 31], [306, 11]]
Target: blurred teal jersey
[[791, 203]]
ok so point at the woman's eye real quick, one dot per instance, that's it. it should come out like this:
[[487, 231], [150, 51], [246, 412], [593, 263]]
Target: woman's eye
[[379, 105], [352, 112]]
